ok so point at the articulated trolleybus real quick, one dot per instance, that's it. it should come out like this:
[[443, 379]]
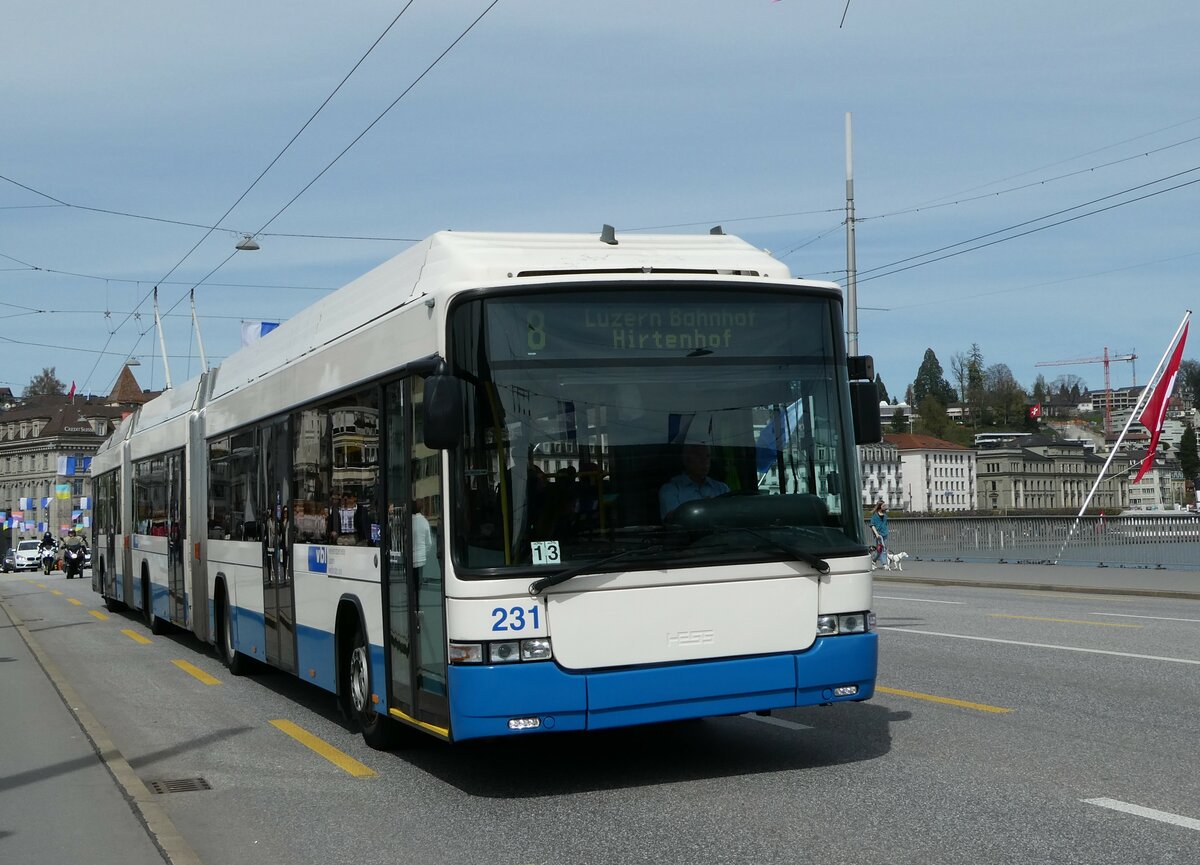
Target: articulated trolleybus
[[517, 483]]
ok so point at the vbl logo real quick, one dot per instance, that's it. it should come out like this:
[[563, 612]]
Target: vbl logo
[[318, 560]]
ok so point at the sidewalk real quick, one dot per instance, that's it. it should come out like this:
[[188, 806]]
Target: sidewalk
[[1113, 580], [59, 801]]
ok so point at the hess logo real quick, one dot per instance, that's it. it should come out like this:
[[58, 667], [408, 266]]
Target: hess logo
[[677, 639]]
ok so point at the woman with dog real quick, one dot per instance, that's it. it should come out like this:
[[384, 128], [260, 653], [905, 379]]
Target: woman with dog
[[879, 528]]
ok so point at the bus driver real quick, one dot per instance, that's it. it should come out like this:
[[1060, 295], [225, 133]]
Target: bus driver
[[694, 483]]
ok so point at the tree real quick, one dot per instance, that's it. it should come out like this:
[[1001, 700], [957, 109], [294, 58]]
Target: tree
[[1189, 375], [934, 419], [882, 388], [930, 381], [958, 369], [1189, 458], [45, 383], [1066, 385], [899, 421], [1041, 391], [974, 395], [1005, 397]]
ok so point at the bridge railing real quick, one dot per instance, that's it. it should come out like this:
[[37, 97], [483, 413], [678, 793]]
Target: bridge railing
[[1161, 541]]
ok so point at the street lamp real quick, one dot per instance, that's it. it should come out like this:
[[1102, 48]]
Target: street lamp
[[247, 243]]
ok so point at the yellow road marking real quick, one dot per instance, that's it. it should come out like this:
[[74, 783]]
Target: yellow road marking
[[135, 636], [99, 615], [1064, 621], [41, 585], [979, 707], [75, 601], [342, 760], [56, 592], [193, 670]]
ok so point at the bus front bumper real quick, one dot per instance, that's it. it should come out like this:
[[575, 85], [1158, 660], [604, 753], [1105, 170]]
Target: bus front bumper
[[502, 700]]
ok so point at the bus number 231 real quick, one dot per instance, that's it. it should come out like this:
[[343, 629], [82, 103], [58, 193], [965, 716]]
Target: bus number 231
[[515, 618]]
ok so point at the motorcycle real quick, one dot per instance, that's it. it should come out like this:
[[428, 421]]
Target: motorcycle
[[48, 556], [73, 561]]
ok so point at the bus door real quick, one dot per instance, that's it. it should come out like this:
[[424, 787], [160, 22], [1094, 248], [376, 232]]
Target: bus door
[[279, 614], [176, 541], [412, 561]]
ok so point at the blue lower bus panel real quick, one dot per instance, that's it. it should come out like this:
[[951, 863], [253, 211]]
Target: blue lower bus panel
[[501, 700]]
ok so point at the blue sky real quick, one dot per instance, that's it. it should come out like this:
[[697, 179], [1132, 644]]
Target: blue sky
[[969, 120]]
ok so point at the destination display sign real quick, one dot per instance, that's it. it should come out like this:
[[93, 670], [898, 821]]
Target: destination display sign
[[608, 327]]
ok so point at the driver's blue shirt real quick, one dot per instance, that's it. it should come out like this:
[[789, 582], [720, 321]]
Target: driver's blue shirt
[[682, 488]]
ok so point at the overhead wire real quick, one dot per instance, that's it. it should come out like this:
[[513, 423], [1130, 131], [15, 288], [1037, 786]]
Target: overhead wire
[[356, 138], [382, 114], [1030, 231], [271, 164]]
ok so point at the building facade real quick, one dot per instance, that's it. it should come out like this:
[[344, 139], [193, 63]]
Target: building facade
[[1044, 474], [938, 475], [46, 446], [880, 468]]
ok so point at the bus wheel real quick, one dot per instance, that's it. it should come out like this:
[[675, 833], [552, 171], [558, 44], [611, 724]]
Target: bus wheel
[[378, 731], [234, 661], [111, 604], [157, 626]]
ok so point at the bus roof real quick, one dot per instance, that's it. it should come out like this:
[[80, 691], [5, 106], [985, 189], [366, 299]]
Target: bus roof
[[454, 260]]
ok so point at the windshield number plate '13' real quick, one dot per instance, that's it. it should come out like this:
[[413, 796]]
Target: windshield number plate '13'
[[545, 552]]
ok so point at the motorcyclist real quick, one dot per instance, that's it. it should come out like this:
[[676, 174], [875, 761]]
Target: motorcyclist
[[47, 548], [75, 545]]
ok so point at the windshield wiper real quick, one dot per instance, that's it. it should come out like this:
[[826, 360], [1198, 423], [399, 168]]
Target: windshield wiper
[[817, 562], [539, 586]]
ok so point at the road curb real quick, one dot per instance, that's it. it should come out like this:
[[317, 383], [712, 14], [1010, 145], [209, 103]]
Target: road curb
[[162, 831]]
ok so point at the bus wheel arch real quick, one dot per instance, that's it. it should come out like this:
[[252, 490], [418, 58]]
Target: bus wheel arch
[[354, 679], [157, 626], [234, 661], [111, 604]]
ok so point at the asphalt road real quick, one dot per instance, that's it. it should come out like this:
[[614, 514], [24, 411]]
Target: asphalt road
[[1011, 726]]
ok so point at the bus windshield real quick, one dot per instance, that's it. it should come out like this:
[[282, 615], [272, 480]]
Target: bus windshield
[[652, 426]]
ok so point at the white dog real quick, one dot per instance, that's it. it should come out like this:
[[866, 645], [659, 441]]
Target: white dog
[[894, 560]]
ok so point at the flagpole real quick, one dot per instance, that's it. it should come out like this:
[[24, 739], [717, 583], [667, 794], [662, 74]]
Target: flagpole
[[1150, 384]]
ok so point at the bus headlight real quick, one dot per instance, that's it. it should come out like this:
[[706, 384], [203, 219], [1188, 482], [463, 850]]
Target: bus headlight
[[537, 649], [466, 653], [503, 653], [829, 625], [853, 623]]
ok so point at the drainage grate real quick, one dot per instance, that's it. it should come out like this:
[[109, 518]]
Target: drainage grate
[[180, 785]]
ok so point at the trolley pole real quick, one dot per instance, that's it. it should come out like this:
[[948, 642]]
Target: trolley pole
[[851, 270]]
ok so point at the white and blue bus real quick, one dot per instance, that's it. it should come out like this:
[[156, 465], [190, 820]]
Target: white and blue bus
[[515, 483]]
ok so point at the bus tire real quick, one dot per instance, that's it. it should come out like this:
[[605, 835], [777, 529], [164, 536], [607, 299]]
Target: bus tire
[[234, 661], [378, 730], [157, 626], [110, 604]]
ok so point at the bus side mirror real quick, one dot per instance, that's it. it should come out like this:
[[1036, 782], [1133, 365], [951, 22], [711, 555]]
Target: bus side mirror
[[443, 412], [864, 405]]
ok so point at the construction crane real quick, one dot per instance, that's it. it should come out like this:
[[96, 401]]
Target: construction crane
[[1132, 358]]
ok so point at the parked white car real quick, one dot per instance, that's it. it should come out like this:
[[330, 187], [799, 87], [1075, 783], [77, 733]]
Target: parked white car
[[27, 555]]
